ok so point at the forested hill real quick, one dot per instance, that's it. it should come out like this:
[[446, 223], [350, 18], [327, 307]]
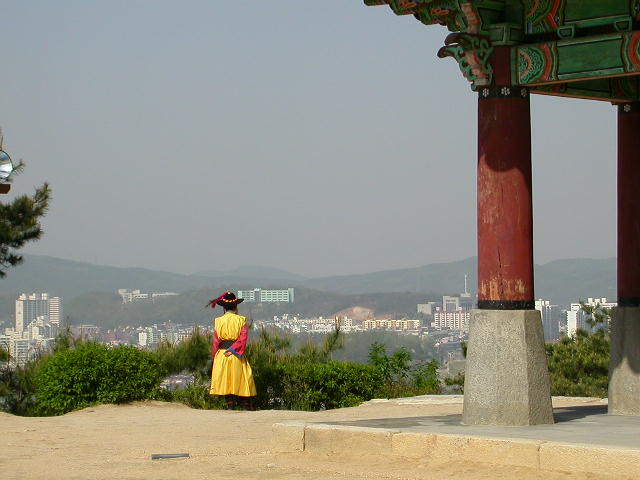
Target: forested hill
[[561, 281], [439, 277], [70, 278], [107, 310]]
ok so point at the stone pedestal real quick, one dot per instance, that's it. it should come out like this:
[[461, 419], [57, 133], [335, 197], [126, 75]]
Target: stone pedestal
[[624, 369], [506, 378]]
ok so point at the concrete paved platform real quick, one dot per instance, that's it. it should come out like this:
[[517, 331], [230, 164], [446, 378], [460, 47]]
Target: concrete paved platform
[[583, 439]]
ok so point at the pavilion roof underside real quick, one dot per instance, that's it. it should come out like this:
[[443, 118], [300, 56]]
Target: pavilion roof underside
[[576, 48]]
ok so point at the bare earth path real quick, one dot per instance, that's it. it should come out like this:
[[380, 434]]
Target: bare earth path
[[116, 442]]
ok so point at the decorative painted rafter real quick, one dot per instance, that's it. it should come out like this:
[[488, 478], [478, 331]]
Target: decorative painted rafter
[[566, 18], [582, 48], [601, 56], [472, 53], [457, 15]]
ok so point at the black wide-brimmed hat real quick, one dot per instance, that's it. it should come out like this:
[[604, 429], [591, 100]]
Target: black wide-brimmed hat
[[226, 300]]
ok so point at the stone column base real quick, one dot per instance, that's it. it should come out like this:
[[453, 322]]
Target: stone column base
[[624, 369], [506, 377]]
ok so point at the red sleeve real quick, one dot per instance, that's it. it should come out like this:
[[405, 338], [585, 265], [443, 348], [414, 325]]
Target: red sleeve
[[240, 344], [215, 345]]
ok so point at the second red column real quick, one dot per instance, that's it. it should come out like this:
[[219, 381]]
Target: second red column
[[505, 210]]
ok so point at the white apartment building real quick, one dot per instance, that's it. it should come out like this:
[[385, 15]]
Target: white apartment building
[[129, 296], [405, 324], [448, 320], [40, 329], [551, 318], [55, 311], [143, 338], [267, 296], [26, 345], [577, 319], [450, 304], [35, 305]]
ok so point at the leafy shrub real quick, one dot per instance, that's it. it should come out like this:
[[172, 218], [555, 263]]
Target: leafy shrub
[[196, 395], [192, 355], [91, 374], [393, 368], [399, 379], [129, 374], [18, 383], [320, 386], [455, 384], [303, 380], [17, 386]]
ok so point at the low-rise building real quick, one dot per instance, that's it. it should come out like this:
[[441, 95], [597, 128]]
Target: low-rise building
[[130, 296], [286, 295], [404, 324]]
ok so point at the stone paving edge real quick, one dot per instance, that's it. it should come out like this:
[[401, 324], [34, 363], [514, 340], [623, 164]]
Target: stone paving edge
[[324, 439]]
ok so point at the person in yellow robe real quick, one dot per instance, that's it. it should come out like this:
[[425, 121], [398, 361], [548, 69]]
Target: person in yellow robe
[[231, 374]]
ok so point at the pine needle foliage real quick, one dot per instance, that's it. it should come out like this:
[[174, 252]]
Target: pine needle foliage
[[20, 224], [579, 365]]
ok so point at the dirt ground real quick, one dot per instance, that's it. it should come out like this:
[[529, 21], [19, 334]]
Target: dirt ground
[[116, 442]]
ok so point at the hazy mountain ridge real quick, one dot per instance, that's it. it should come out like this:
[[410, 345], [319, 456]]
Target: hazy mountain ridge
[[70, 278], [106, 309], [439, 277], [254, 271], [561, 281]]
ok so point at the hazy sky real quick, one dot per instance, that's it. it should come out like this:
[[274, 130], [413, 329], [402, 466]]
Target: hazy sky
[[322, 137]]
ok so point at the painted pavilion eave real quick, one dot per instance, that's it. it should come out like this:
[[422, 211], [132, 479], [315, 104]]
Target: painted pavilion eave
[[568, 48], [599, 67]]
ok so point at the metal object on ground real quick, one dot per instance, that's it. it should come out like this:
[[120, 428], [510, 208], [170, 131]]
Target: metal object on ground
[[158, 456]]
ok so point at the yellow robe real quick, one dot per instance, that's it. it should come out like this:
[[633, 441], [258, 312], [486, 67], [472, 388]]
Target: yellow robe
[[231, 375]]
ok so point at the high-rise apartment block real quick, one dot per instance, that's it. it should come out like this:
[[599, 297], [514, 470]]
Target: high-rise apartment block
[[552, 316], [452, 320], [450, 304], [55, 311], [36, 305]]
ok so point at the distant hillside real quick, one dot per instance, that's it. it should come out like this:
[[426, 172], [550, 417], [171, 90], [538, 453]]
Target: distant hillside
[[561, 281], [70, 278], [566, 281], [107, 310], [254, 272], [437, 277]]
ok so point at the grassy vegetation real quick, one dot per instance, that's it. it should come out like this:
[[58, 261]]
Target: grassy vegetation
[[76, 375], [305, 376]]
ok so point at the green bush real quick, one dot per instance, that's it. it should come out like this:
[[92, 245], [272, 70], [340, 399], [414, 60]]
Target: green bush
[[399, 378], [91, 374], [197, 395], [192, 355], [320, 386], [17, 387], [303, 380]]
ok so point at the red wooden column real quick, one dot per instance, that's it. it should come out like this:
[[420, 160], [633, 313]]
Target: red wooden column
[[624, 366], [506, 379], [629, 205], [505, 210]]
